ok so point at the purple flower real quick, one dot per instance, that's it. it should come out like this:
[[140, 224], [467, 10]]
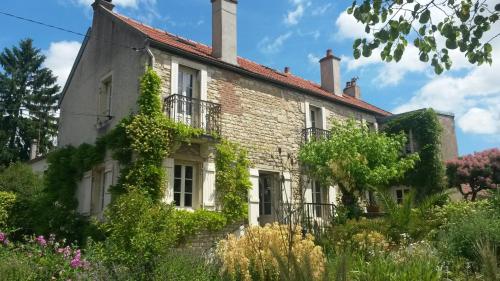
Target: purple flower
[[41, 241], [66, 251], [76, 262], [2, 236]]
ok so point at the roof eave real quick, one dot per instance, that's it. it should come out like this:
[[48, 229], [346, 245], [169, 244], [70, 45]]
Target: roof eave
[[231, 67]]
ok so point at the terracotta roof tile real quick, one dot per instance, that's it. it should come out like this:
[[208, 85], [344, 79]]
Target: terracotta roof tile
[[205, 51]]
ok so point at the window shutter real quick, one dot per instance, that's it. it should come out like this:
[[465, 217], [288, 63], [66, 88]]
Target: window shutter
[[168, 164], [209, 185], [85, 194], [108, 182]]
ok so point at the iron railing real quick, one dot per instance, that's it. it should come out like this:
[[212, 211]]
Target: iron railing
[[196, 113], [314, 218], [313, 134]]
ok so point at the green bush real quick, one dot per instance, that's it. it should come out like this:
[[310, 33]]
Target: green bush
[[138, 231], [15, 267], [459, 235], [408, 263], [190, 223], [7, 200], [185, 266], [20, 180]]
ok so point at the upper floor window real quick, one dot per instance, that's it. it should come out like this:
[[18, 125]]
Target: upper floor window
[[315, 117], [188, 86], [104, 107]]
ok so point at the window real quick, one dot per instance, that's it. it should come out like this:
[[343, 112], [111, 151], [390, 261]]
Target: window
[[400, 195], [317, 197], [104, 110], [183, 186], [100, 196], [265, 195], [315, 117], [409, 147]]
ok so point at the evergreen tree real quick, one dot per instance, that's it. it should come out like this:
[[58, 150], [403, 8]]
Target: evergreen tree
[[28, 103]]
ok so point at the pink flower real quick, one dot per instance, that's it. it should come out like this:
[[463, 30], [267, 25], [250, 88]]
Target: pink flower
[[41, 241], [2, 236], [66, 251]]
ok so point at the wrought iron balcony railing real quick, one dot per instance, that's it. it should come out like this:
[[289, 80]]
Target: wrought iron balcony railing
[[313, 134], [313, 217], [196, 113]]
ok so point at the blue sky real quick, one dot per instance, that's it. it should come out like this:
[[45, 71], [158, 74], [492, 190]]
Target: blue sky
[[293, 33]]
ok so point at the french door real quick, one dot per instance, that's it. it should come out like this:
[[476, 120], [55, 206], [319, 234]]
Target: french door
[[183, 186]]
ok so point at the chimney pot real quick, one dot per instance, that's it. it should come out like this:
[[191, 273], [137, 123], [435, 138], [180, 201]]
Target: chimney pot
[[330, 73], [287, 70], [105, 3], [224, 30], [352, 89]]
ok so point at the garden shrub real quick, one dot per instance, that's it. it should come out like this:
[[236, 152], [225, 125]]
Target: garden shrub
[[190, 223], [138, 230], [39, 258], [465, 225], [20, 180], [182, 265], [7, 200], [265, 253]]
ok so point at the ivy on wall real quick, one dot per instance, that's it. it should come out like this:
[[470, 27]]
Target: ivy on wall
[[140, 143], [428, 176]]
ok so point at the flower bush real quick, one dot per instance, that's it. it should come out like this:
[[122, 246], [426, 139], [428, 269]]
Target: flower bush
[[271, 253], [41, 258]]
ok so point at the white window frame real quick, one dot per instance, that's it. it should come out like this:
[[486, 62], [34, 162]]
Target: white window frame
[[104, 114], [174, 73], [322, 118], [182, 203], [404, 192]]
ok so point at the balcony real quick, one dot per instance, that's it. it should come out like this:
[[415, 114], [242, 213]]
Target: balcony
[[314, 218], [314, 134], [196, 113]]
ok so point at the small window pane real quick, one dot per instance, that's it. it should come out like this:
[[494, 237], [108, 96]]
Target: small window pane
[[189, 172], [177, 185], [267, 208], [177, 199], [178, 171], [188, 200], [188, 186]]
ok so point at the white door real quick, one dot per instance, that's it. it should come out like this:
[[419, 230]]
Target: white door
[[187, 103]]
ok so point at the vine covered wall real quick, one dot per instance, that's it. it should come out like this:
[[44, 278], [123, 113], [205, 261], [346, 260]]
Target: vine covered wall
[[428, 176]]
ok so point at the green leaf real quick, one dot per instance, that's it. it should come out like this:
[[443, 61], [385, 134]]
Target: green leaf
[[488, 48], [451, 44], [424, 57], [421, 31], [356, 43], [356, 54], [425, 16]]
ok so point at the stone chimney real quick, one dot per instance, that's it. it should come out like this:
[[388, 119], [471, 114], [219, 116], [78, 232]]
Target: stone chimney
[[330, 73], [224, 30], [33, 149], [105, 3], [352, 89]]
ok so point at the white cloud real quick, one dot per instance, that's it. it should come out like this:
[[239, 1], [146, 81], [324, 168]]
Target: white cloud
[[481, 121], [60, 58], [474, 97], [389, 74], [273, 46], [349, 28], [313, 59], [321, 10], [121, 3], [294, 15]]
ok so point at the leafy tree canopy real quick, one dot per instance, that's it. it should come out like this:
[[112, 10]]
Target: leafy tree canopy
[[434, 27], [475, 172], [357, 159], [28, 103]]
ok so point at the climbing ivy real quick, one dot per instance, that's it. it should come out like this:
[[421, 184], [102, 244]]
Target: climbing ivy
[[140, 143], [428, 176], [232, 180]]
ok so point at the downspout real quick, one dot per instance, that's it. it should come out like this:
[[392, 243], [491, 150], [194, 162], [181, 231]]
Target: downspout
[[152, 60]]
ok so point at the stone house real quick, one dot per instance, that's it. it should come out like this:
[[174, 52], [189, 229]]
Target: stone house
[[210, 88]]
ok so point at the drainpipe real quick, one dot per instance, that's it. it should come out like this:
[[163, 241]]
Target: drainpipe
[[150, 54]]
